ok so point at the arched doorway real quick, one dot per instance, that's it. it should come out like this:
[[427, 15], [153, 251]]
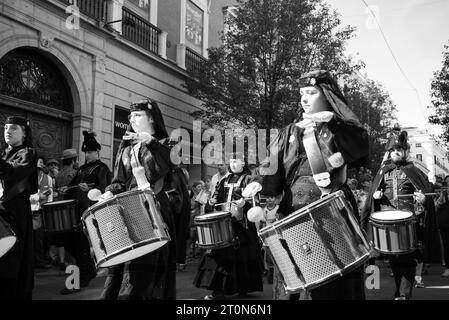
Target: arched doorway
[[32, 86]]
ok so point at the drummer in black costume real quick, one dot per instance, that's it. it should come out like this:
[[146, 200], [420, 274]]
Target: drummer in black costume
[[398, 177], [93, 174], [18, 179], [235, 269], [343, 142], [151, 276]]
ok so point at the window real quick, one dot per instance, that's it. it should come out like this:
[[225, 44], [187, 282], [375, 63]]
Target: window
[[141, 7], [194, 27], [419, 157], [418, 145]]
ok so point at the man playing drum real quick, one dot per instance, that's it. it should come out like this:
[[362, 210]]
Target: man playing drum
[[399, 187], [93, 174], [342, 141]]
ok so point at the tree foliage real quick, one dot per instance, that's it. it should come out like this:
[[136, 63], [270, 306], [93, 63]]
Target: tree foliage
[[440, 97], [372, 104], [250, 81]]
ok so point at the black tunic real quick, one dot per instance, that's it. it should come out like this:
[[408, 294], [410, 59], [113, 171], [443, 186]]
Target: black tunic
[[429, 233], [232, 269], [18, 175], [152, 276], [293, 176]]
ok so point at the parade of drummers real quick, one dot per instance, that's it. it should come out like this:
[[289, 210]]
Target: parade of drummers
[[230, 150]]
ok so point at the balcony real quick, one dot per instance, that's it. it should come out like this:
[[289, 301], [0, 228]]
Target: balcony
[[194, 62], [140, 31], [95, 9]]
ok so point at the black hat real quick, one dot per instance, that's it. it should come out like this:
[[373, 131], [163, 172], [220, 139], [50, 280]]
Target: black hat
[[324, 80], [314, 78], [17, 120], [397, 138], [90, 143]]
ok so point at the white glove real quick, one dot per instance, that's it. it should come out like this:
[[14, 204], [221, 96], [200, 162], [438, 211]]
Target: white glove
[[378, 194], [138, 136], [105, 196], [240, 203], [251, 189], [419, 196], [323, 116], [255, 214], [94, 194]]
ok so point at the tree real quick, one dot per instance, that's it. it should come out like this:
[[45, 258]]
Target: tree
[[372, 104], [440, 97], [250, 81]]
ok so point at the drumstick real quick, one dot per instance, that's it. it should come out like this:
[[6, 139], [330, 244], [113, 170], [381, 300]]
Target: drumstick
[[77, 186], [219, 204]]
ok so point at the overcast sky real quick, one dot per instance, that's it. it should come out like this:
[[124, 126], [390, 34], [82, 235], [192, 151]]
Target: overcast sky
[[416, 31]]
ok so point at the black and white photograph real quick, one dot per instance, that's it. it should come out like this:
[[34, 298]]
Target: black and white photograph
[[224, 155]]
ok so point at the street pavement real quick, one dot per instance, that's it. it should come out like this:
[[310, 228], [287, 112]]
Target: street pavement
[[48, 283]]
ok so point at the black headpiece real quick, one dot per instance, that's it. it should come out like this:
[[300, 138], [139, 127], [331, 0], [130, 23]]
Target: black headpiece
[[90, 143], [332, 92], [151, 108], [397, 138]]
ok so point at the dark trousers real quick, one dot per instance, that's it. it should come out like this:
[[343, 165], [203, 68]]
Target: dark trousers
[[78, 246], [404, 269], [444, 232]]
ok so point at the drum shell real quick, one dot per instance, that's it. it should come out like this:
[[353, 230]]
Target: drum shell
[[123, 228], [394, 237], [60, 216], [214, 231], [316, 244], [7, 237]]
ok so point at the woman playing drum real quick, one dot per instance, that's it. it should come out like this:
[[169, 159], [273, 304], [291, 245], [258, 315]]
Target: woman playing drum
[[153, 275], [18, 179], [237, 268]]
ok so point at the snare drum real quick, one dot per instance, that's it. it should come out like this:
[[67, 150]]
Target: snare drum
[[317, 243], [214, 230], [124, 227], [394, 232], [59, 216], [7, 237]]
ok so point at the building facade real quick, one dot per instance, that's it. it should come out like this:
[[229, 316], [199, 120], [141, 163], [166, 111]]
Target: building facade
[[427, 152], [74, 65]]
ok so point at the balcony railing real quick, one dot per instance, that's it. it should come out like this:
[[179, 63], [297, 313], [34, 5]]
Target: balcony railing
[[96, 9], [140, 31], [194, 62]]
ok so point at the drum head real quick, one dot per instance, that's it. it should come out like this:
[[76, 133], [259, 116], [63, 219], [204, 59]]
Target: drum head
[[391, 215], [213, 216], [59, 203], [6, 243]]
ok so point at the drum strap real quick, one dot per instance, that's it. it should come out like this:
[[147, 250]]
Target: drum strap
[[396, 173], [316, 160]]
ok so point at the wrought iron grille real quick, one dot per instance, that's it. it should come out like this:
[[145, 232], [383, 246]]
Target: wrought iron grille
[[30, 77], [140, 31], [194, 62], [96, 9]]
